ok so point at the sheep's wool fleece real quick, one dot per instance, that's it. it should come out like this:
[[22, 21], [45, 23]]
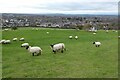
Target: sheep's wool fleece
[[34, 49], [97, 43], [58, 46]]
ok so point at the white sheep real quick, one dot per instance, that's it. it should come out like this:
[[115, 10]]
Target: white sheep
[[2, 41], [22, 39], [76, 37], [6, 29], [58, 47], [24, 44], [47, 32], [70, 37], [34, 50], [7, 42], [14, 39], [94, 33], [97, 44]]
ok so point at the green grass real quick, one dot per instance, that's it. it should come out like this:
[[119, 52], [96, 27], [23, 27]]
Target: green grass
[[81, 60]]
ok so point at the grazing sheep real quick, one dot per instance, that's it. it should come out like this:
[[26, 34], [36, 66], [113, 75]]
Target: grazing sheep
[[58, 47], [70, 37], [94, 33], [7, 41], [34, 50], [14, 39], [6, 29], [2, 41], [47, 32], [97, 44], [24, 44], [22, 39], [76, 37]]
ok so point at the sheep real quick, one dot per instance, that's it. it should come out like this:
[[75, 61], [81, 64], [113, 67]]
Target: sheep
[[47, 32], [2, 41], [70, 37], [37, 50], [6, 29], [14, 39], [76, 37], [94, 33], [21, 39], [58, 47], [24, 44], [5, 41], [97, 44]]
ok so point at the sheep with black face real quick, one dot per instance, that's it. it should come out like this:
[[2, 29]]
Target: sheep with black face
[[97, 44], [34, 50], [58, 47]]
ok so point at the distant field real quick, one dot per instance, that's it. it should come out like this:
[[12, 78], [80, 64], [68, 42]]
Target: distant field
[[81, 60]]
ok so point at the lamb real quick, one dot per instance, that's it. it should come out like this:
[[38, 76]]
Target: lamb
[[70, 37], [14, 39], [22, 39], [76, 37], [97, 44], [58, 47], [24, 44], [34, 50]]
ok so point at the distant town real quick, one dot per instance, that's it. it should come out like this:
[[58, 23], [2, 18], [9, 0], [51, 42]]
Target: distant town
[[65, 21]]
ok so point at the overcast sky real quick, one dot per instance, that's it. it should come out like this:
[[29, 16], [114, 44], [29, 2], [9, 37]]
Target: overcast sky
[[60, 6]]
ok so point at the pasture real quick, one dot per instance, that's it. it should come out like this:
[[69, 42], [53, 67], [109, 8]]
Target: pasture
[[81, 59]]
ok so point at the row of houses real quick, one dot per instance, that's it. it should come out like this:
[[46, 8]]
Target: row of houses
[[53, 21]]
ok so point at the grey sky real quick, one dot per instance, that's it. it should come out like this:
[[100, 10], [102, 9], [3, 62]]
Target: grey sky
[[59, 6]]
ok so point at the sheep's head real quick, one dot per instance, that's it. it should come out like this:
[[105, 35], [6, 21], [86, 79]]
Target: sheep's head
[[27, 47], [93, 42], [52, 45]]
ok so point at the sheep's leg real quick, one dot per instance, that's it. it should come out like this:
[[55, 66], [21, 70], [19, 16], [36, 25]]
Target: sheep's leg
[[38, 54], [96, 45], [61, 51], [54, 51], [32, 54]]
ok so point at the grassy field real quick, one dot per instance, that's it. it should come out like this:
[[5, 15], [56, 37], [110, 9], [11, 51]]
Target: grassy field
[[81, 60]]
